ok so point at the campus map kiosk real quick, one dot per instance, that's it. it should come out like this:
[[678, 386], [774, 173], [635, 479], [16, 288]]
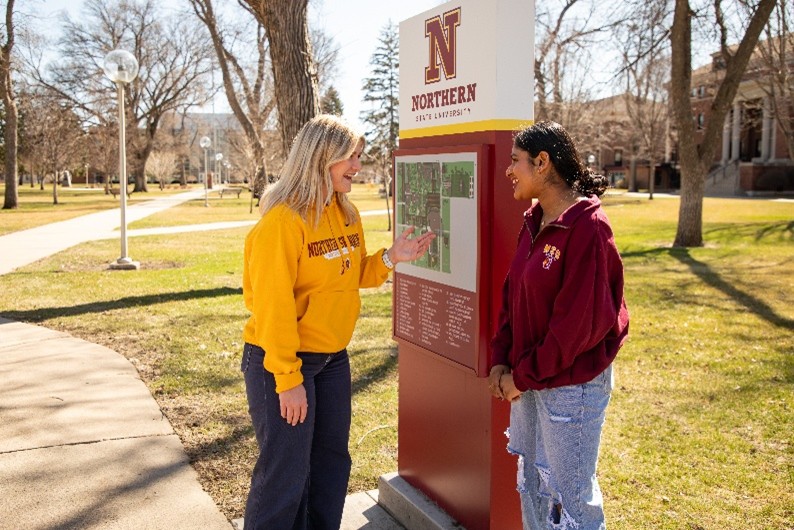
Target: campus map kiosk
[[466, 85]]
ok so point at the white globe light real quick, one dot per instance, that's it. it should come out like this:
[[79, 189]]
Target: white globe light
[[219, 157], [205, 142], [120, 66]]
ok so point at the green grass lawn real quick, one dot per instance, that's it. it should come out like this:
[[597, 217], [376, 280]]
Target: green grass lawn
[[699, 432]]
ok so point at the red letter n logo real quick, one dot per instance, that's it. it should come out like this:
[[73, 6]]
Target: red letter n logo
[[443, 42]]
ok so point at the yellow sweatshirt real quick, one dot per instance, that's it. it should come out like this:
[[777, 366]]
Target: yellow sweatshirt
[[301, 286]]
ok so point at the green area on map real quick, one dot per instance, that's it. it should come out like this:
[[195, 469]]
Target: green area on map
[[424, 190]]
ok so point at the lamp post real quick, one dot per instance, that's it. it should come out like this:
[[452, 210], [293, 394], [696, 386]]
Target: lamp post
[[219, 167], [205, 142], [228, 166], [121, 67]]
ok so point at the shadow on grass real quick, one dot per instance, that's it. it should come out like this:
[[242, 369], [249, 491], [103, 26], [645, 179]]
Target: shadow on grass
[[752, 303], [780, 231], [784, 228], [222, 446], [706, 274], [42, 314], [377, 372]]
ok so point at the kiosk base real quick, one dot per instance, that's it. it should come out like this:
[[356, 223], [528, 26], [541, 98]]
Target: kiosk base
[[410, 507]]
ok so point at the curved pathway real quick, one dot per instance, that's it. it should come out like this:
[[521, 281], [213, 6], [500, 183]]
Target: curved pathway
[[26, 246]]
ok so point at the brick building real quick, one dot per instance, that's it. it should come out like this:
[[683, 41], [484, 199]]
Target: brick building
[[753, 157]]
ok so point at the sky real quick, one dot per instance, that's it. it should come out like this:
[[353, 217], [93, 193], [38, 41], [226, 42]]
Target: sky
[[355, 26]]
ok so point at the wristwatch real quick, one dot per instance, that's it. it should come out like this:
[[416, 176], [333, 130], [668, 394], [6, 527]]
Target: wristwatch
[[386, 260]]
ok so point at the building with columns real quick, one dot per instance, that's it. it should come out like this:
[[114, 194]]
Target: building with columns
[[755, 157]]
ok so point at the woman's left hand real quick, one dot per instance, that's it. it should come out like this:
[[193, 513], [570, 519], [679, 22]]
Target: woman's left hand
[[508, 386], [405, 249]]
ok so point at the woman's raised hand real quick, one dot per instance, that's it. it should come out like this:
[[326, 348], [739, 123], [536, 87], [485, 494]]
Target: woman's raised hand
[[405, 249]]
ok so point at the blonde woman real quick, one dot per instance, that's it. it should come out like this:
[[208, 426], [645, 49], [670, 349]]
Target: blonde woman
[[305, 261]]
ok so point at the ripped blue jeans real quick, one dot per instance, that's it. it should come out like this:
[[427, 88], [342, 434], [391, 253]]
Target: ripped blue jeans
[[556, 434]]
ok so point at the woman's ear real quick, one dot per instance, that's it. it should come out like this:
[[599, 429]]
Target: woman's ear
[[543, 160]]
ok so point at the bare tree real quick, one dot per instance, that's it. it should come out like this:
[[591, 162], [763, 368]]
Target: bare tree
[[566, 33], [326, 56], [247, 85], [644, 76], [174, 66], [103, 151], [161, 165], [294, 73], [777, 55], [11, 199], [51, 133], [696, 158]]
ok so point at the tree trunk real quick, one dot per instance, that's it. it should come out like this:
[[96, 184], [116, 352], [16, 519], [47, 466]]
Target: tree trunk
[[690, 213], [387, 185], [141, 153], [55, 188], [11, 199], [696, 159], [294, 73]]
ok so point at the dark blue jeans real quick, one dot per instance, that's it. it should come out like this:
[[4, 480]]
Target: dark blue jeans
[[300, 478]]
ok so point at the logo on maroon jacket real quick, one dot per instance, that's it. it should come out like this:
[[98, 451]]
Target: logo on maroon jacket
[[552, 254]]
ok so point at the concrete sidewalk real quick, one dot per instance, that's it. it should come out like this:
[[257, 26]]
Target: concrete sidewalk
[[83, 443]]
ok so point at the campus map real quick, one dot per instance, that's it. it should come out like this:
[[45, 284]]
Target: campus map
[[424, 191]]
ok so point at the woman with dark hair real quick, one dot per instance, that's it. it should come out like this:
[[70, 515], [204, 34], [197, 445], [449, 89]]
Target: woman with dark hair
[[563, 320]]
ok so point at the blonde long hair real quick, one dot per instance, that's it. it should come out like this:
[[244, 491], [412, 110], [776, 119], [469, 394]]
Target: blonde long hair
[[323, 141]]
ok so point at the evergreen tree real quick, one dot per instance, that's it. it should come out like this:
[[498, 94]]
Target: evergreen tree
[[331, 103], [381, 91]]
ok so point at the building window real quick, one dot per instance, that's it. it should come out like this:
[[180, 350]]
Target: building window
[[618, 157], [701, 91], [701, 120]]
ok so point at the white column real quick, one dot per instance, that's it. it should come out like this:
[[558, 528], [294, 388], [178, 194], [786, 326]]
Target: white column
[[736, 131], [773, 140], [766, 129], [726, 139]]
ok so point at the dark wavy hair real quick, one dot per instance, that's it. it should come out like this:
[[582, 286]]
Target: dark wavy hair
[[551, 137]]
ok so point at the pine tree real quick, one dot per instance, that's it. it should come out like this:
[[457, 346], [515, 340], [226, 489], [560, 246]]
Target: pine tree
[[331, 103], [381, 91]]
